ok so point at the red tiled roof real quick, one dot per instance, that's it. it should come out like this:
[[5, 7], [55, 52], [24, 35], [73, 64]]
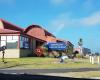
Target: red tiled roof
[[50, 39], [8, 31], [38, 32], [31, 26]]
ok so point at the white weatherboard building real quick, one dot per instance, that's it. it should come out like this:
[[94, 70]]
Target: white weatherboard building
[[83, 50]]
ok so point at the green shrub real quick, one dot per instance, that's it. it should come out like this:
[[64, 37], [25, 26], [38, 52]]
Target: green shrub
[[51, 55], [45, 51], [79, 56], [56, 54]]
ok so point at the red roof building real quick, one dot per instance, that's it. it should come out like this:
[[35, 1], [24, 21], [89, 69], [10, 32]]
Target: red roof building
[[14, 38], [22, 42]]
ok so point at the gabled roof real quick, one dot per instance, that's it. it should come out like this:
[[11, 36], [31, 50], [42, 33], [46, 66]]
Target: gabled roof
[[38, 32], [35, 31], [33, 26], [8, 25], [30, 27]]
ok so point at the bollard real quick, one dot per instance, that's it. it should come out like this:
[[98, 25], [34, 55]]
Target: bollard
[[92, 59], [98, 58]]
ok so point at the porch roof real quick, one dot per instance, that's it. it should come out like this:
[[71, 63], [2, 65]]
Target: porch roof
[[3, 31]]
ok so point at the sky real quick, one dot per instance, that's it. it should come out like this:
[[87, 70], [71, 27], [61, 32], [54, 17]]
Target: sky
[[66, 19]]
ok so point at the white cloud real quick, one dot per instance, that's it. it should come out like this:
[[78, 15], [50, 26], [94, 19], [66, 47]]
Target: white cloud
[[60, 22], [65, 20], [92, 20]]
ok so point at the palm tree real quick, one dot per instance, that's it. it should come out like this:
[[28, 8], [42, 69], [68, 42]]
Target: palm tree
[[80, 44]]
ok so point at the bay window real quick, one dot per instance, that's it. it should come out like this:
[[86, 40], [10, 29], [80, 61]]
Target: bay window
[[11, 42]]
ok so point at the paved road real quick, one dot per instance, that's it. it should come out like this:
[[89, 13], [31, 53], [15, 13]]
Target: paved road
[[36, 71], [36, 77], [30, 74]]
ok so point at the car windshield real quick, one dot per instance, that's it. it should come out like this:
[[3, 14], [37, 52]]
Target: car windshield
[[49, 39]]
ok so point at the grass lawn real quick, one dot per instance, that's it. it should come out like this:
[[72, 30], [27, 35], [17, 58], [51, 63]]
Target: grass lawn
[[45, 63]]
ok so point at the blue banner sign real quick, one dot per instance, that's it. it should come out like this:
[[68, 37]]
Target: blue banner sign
[[57, 46]]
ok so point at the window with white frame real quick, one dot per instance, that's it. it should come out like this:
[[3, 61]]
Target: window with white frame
[[9, 38], [15, 37], [3, 41], [3, 38], [11, 42]]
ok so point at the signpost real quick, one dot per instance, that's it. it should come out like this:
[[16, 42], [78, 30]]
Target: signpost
[[60, 46], [98, 59]]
